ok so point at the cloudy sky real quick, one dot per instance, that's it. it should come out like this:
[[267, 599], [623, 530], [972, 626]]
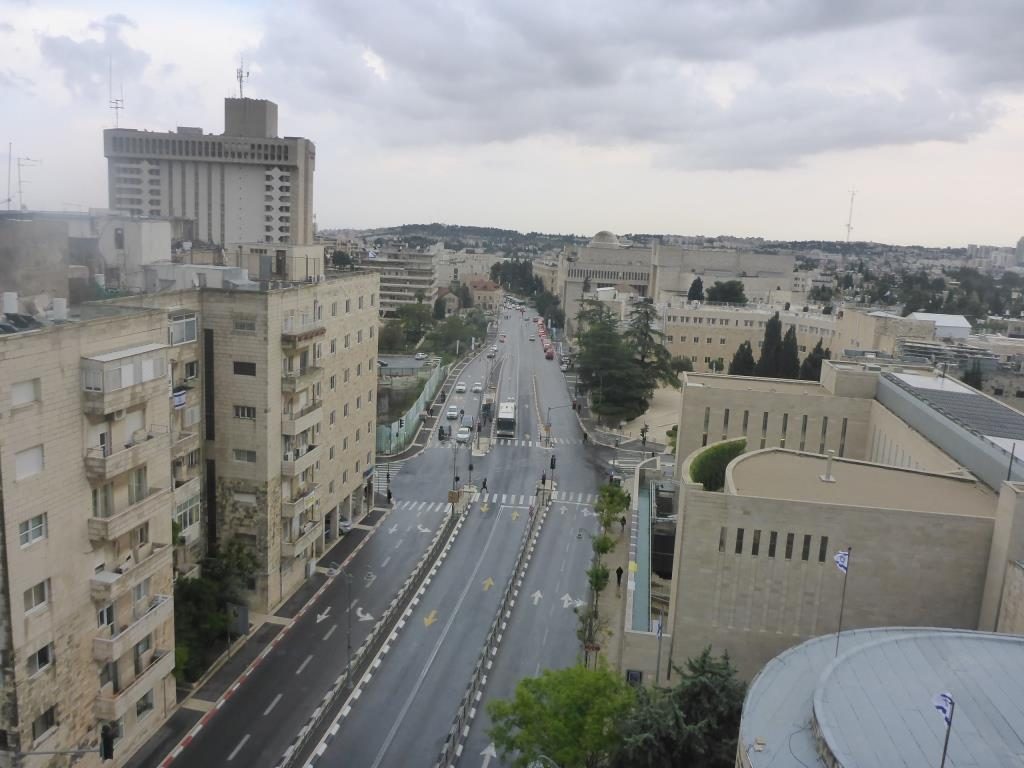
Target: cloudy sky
[[744, 117]]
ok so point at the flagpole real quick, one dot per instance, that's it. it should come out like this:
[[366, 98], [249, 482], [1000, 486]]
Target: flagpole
[[842, 599], [949, 727]]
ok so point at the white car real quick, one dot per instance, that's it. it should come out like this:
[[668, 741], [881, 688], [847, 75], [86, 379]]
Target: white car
[[460, 387], [452, 413], [531, 338], [421, 355], [494, 348], [478, 388], [462, 436]]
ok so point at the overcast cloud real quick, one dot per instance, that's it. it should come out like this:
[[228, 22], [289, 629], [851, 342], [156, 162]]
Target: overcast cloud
[[700, 105]]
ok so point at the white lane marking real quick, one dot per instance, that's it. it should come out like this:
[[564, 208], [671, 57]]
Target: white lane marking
[[330, 632], [236, 750], [302, 666], [386, 561], [271, 707]]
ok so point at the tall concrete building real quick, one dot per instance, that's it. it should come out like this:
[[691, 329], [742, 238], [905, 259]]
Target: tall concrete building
[[407, 276], [87, 496], [246, 185]]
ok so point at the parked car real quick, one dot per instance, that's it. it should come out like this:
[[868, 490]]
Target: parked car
[[421, 355], [452, 413], [460, 387], [478, 388], [383, 363], [462, 436], [530, 339], [564, 367], [494, 348], [491, 354]]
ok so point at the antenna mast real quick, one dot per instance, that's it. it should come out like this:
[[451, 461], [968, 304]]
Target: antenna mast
[[115, 104], [849, 219], [24, 162], [241, 75]]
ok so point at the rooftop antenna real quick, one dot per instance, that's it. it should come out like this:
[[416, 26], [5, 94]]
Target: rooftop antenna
[[24, 162], [115, 104], [849, 219], [241, 74]]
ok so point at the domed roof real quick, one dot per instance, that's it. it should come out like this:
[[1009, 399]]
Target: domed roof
[[604, 237]]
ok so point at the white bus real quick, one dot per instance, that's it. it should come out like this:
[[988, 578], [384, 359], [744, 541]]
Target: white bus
[[506, 424]]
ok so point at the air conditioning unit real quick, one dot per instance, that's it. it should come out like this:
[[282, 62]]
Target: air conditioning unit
[[119, 414]]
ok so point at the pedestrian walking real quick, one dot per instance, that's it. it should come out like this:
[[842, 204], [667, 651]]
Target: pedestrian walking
[[618, 577], [543, 479], [483, 485], [585, 438], [622, 522], [389, 495]]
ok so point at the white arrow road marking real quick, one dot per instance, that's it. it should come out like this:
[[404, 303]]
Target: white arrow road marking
[[421, 529], [393, 528], [369, 578], [363, 615], [561, 510], [489, 752], [537, 597], [567, 600], [321, 616]]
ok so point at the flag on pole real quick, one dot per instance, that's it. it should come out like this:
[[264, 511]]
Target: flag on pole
[[371, 254], [842, 560], [943, 703]]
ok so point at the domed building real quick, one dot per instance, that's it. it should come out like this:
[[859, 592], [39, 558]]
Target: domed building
[[604, 239]]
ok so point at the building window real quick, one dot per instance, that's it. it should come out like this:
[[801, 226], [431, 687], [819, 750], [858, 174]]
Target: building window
[[789, 545], [359, 369], [334, 346], [721, 539], [764, 429], [28, 462], [359, 337], [348, 305], [192, 416], [38, 596], [105, 616], [186, 514], [244, 456], [41, 659], [806, 552], [32, 530], [785, 426], [25, 392], [348, 340], [755, 544], [334, 309], [331, 453], [803, 431], [824, 433], [344, 443], [746, 421], [345, 410], [144, 705], [244, 369], [191, 370], [43, 724], [245, 412], [359, 402], [842, 438], [739, 541], [772, 540], [182, 329], [345, 376], [333, 381], [333, 415], [823, 549], [997, 391], [245, 324]]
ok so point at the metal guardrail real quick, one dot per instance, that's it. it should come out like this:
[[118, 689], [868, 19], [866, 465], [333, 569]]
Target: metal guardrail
[[381, 631], [466, 710]]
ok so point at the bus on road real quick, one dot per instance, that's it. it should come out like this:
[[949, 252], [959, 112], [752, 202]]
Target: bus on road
[[506, 424]]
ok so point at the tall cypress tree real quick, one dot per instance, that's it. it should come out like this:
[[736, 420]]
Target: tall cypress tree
[[743, 363], [810, 369], [696, 292], [789, 356], [768, 362]]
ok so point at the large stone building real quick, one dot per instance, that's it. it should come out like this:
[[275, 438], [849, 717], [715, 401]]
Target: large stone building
[[453, 267], [246, 185], [88, 439], [604, 262], [406, 277], [906, 467], [767, 276]]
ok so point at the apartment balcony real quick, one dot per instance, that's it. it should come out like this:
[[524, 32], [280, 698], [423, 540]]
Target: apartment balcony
[[108, 586], [104, 403], [123, 379], [113, 706], [308, 534], [297, 334], [183, 443], [306, 499], [297, 422], [149, 617], [186, 490], [299, 379], [298, 460], [147, 445], [156, 502]]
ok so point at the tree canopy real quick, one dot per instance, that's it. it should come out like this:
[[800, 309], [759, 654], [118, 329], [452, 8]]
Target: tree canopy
[[743, 363], [696, 292], [728, 292], [789, 356], [973, 377], [810, 369], [768, 362]]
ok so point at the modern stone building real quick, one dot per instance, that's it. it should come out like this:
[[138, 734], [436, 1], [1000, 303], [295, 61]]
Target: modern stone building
[[406, 277], [243, 186], [916, 472], [93, 468], [486, 294], [604, 262]]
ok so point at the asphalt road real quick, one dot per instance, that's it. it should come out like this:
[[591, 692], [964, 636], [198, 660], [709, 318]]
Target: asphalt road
[[402, 714]]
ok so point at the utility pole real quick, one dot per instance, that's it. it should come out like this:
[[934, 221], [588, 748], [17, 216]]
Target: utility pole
[[24, 162], [10, 150], [849, 219]]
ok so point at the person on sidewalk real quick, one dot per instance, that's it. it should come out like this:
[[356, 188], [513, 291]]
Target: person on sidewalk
[[585, 438], [622, 522], [618, 578], [483, 485], [389, 495]]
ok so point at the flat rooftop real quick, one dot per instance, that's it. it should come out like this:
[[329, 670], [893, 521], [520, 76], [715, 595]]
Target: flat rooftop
[[965, 405], [872, 704], [783, 474], [754, 383]]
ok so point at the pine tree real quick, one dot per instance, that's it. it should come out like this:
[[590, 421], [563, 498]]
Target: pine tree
[[810, 369], [789, 356], [972, 376], [696, 292], [743, 361], [768, 362]]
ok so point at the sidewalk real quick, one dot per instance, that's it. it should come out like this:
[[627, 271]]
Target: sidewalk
[[611, 604], [264, 631]]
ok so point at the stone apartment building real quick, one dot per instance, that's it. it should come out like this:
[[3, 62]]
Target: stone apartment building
[[406, 277], [708, 335], [87, 496], [486, 294]]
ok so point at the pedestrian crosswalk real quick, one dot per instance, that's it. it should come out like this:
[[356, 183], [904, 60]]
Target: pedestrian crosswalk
[[419, 507], [537, 443], [380, 474], [492, 497]]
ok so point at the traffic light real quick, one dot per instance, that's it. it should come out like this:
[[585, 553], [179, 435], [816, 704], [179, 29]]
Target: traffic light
[[401, 423], [106, 743], [552, 462]]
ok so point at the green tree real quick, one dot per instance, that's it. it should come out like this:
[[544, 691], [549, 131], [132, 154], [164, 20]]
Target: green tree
[[439, 309], [789, 355], [569, 715], [728, 292], [391, 337], [696, 292], [694, 723], [810, 369], [648, 347], [415, 319], [708, 467], [743, 363], [612, 502], [768, 362], [973, 377], [465, 297], [607, 366]]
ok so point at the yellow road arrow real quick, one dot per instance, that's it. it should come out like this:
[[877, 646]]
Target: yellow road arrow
[[515, 514], [484, 507], [430, 618], [488, 583]]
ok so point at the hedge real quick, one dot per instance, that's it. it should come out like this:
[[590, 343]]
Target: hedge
[[708, 468]]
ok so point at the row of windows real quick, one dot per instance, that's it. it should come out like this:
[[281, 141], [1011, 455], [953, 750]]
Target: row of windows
[[756, 542], [200, 148], [784, 431], [724, 321]]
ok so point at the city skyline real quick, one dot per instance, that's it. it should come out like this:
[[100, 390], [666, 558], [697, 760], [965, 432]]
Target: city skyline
[[666, 119]]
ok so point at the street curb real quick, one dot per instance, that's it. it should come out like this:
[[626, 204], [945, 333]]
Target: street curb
[[194, 731]]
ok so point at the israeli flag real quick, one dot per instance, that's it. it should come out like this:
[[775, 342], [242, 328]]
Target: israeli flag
[[842, 560], [371, 254], [943, 703]]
